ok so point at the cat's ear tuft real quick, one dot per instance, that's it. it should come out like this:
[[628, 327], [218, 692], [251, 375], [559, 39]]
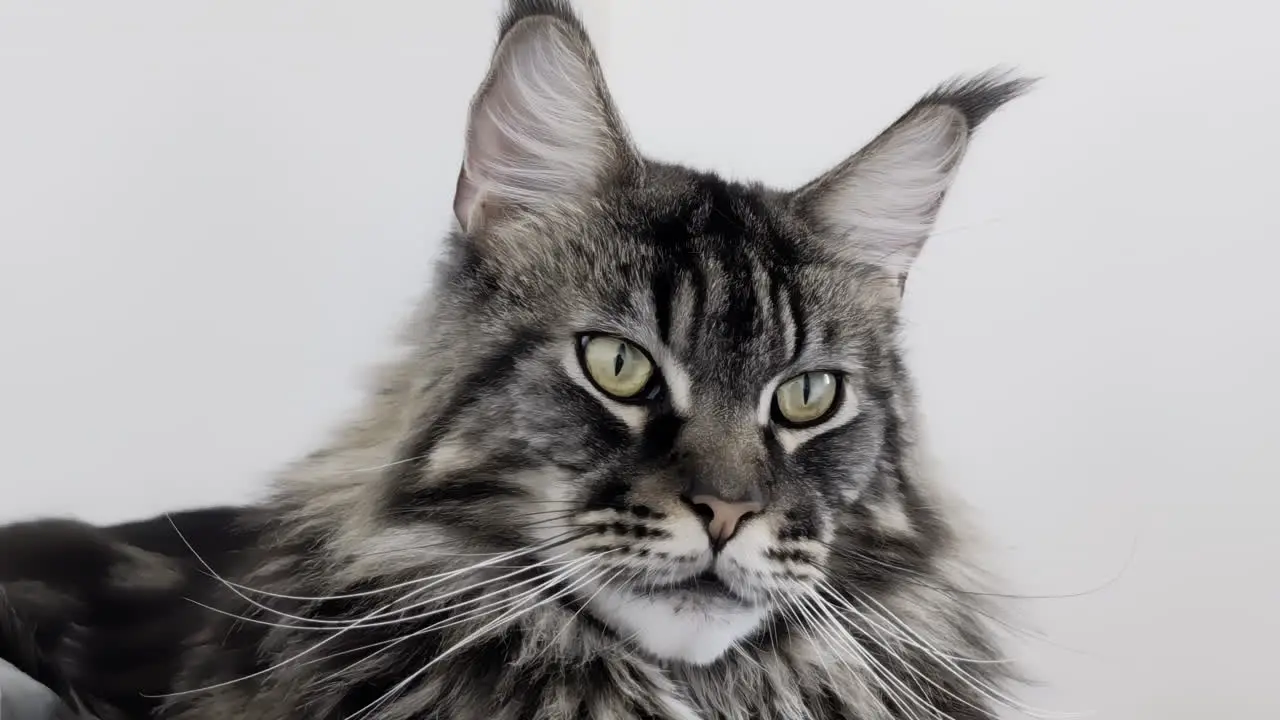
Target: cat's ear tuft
[[543, 130], [879, 206]]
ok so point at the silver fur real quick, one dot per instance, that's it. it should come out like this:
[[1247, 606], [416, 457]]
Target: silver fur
[[493, 538]]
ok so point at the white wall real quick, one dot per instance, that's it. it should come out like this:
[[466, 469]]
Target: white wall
[[214, 213]]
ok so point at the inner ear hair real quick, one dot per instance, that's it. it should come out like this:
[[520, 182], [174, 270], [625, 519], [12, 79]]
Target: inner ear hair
[[543, 131], [878, 206]]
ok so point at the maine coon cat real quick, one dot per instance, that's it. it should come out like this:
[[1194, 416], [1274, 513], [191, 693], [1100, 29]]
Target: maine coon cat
[[649, 451]]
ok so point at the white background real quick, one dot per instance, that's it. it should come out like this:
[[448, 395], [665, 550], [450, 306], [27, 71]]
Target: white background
[[213, 215]]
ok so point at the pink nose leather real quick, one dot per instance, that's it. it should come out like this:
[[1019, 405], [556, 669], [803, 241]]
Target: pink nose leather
[[725, 516]]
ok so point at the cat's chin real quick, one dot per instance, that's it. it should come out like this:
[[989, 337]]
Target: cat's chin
[[692, 627]]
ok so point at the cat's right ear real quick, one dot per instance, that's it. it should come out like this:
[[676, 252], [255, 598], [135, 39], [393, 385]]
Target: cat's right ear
[[879, 206], [543, 131]]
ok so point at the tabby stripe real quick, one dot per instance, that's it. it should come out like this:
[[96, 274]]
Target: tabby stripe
[[799, 321], [489, 372], [661, 287], [695, 279]]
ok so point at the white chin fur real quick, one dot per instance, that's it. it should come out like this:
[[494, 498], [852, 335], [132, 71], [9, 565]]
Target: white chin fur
[[694, 630]]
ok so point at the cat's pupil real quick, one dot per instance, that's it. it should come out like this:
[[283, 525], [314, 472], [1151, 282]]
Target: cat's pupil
[[805, 385], [619, 360]]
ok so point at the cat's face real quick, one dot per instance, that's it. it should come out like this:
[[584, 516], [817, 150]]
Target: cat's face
[[696, 396], [679, 390]]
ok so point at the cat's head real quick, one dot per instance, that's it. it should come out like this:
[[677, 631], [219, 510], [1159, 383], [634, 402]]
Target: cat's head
[[684, 391]]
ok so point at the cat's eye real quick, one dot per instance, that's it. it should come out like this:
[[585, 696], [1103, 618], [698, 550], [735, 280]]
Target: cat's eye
[[618, 367], [806, 399]]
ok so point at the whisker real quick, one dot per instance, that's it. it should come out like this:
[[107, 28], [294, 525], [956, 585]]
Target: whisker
[[889, 683], [271, 668], [425, 583], [864, 619], [325, 625], [496, 557], [791, 613], [911, 668], [406, 682], [574, 617], [460, 619], [985, 688], [569, 565], [850, 553], [996, 619], [888, 680], [451, 542], [452, 621], [384, 466]]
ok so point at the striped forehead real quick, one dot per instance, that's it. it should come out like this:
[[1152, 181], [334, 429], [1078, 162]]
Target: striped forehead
[[723, 283]]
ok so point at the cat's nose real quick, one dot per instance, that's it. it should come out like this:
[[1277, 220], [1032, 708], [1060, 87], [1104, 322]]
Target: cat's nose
[[722, 516]]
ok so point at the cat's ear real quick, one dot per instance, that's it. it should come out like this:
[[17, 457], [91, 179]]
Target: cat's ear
[[879, 206], [543, 130]]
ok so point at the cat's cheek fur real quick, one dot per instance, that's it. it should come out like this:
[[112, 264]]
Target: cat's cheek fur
[[696, 632]]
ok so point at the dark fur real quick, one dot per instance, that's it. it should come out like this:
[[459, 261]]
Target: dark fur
[[481, 439], [101, 615]]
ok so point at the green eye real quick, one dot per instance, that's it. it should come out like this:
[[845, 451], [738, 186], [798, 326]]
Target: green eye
[[805, 399], [617, 367]]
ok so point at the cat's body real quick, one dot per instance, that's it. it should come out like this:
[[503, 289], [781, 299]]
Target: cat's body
[[648, 451]]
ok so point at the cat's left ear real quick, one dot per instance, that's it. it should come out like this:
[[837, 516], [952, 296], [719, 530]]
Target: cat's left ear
[[879, 206], [543, 131]]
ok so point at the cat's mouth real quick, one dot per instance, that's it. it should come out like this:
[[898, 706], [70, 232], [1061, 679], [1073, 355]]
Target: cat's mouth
[[706, 584]]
